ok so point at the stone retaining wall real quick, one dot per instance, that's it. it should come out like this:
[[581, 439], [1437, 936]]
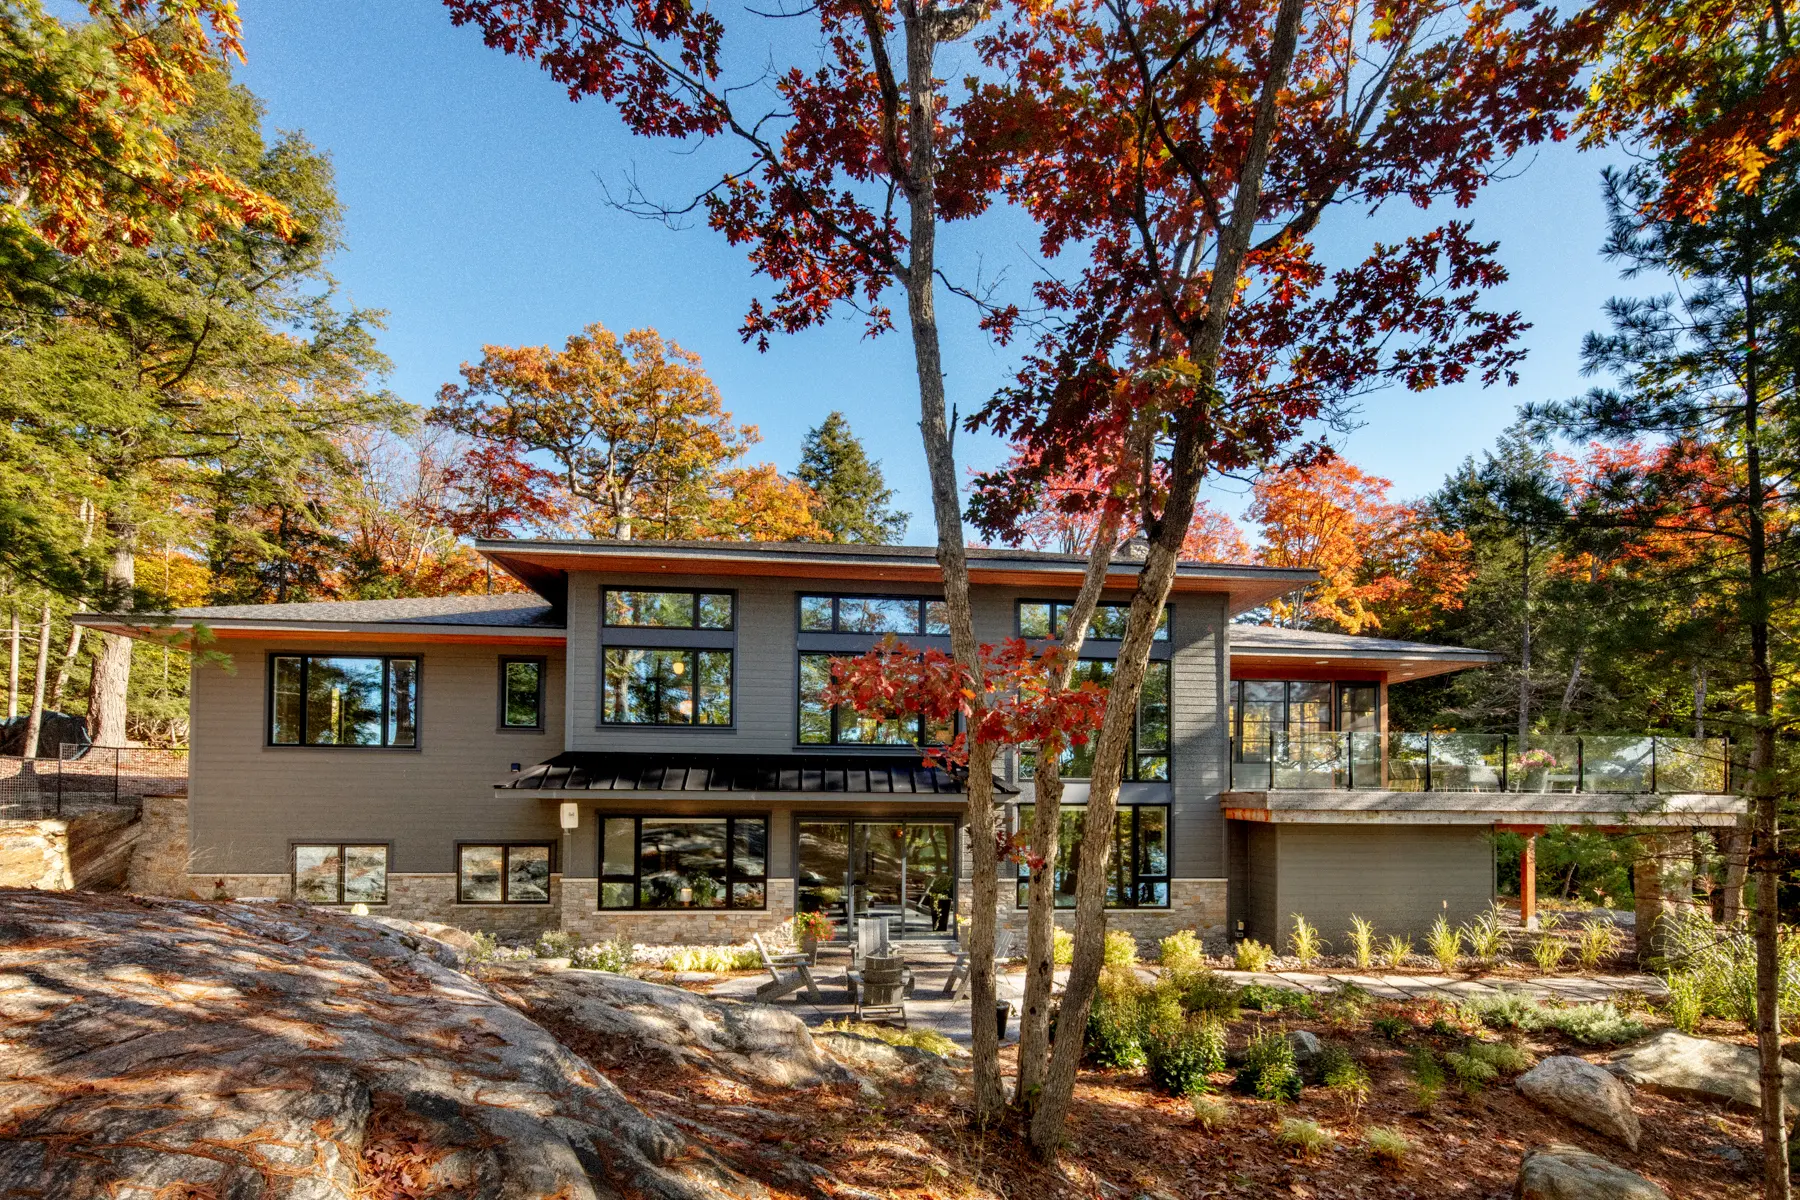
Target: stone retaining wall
[[88, 850]]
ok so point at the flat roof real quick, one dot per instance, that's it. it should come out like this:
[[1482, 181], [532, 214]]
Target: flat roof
[[544, 565], [855, 774], [1376, 807], [1268, 647], [512, 618]]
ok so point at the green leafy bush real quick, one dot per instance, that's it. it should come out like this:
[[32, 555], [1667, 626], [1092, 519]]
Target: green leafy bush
[[1387, 1146], [1115, 1029], [1345, 1004], [1211, 1113], [1486, 935], [1182, 952], [1062, 947], [612, 956], [1362, 941], [484, 947], [1120, 949], [1181, 1053], [1342, 1074], [1267, 997], [1305, 941], [1268, 1070], [1504, 1057], [1390, 1023], [1206, 991], [1395, 951], [1445, 944], [1428, 1076], [1252, 955], [1305, 1139], [1472, 1073], [713, 959], [554, 943], [1508, 1010], [1590, 1024], [1720, 961]]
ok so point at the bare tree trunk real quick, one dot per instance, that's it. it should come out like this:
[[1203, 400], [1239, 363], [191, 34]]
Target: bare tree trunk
[[1699, 701], [1568, 696], [1524, 639], [1046, 830], [1734, 847], [70, 653], [112, 665], [1187, 463], [34, 723], [12, 669]]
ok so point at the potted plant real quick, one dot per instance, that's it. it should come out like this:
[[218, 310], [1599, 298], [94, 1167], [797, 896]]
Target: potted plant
[[811, 928]]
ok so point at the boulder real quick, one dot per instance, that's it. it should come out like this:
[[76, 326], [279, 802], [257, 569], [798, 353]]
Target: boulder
[[758, 1043], [273, 1051], [1306, 1046], [1561, 1172], [1584, 1093], [1680, 1065], [905, 1066]]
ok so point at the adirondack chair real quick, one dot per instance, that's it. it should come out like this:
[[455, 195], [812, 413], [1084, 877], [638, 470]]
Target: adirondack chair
[[957, 986], [787, 973]]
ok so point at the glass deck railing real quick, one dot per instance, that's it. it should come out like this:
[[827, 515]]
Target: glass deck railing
[[1481, 762]]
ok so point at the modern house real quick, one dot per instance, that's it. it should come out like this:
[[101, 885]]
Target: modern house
[[638, 749]]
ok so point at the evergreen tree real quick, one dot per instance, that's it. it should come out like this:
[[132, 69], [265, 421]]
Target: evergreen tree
[[853, 497]]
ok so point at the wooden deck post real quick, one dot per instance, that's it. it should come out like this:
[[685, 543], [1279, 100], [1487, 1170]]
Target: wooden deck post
[[1528, 883]]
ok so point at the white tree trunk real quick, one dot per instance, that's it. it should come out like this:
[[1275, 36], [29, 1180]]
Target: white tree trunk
[[34, 722]]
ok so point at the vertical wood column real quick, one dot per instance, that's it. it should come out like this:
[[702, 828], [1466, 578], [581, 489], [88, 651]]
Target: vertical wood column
[[1528, 883]]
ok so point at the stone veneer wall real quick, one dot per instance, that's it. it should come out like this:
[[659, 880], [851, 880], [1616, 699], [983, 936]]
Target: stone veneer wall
[[412, 897], [1194, 904], [582, 916]]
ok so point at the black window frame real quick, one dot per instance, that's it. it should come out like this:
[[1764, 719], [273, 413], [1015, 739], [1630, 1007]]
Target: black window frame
[[543, 668], [1235, 709], [506, 849], [387, 869], [729, 593], [1139, 878], [1165, 632], [305, 657], [607, 722], [922, 602], [1136, 756], [733, 877], [920, 733]]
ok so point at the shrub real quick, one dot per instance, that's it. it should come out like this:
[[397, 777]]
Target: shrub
[[1504, 1057], [1589, 1024], [1446, 1017], [1486, 935], [712, 959], [1062, 947], [1346, 1003], [606, 956], [1182, 952], [1599, 940], [814, 925], [1396, 950], [929, 1040], [1305, 941], [1266, 997], [1428, 1076], [1508, 1010], [1684, 1007], [554, 943], [1268, 1070], [1211, 1113], [1548, 952], [1120, 950], [1445, 944], [1205, 991], [1252, 955], [1305, 1139], [1342, 1074], [1390, 1022], [483, 948], [1471, 1073], [1387, 1146], [1721, 963], [1362, 941], [1182, 1053], [1115, 1029]]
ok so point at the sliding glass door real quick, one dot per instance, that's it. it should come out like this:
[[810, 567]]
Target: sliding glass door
[[903, 870]]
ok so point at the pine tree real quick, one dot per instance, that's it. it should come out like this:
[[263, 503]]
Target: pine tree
[[853, 497]]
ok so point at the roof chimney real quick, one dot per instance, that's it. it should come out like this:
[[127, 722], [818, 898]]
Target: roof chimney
[[1137, 547]]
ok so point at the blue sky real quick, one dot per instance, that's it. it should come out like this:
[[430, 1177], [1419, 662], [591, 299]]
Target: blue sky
[[476, 214]]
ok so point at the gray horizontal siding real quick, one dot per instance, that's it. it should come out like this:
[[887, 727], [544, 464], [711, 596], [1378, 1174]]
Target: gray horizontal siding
[[248, 800], [1401, 877]]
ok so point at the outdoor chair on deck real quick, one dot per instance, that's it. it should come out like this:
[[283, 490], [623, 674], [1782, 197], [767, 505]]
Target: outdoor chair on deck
[[787, 973], [957, 986]]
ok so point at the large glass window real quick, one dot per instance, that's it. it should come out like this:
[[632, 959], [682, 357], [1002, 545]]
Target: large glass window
[[343, 700], [822, 724], [1047, 619], [666, 610], [1149, 757], [522, 693], [684, 862], [667, 687], [503, 874], [341, 873], [1291, 712], [1137, 874], [915, 615]]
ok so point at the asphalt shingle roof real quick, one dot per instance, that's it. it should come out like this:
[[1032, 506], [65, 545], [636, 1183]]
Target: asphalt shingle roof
[[515, 610]]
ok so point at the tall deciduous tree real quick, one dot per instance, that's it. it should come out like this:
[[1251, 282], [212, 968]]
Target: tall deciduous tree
[[1715, 369], [636, 430], [851, 499]]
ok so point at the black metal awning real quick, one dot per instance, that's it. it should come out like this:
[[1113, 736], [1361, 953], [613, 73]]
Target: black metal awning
[[853, 774]]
